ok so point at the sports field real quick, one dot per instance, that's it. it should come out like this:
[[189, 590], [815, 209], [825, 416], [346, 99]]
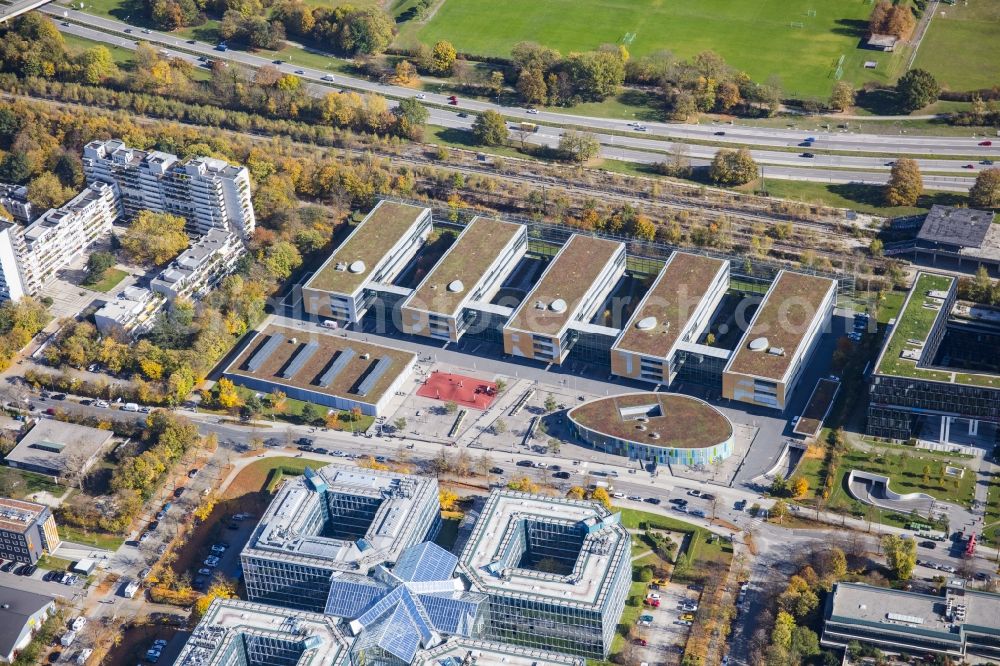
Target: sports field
[[962, 46], [757, 36]]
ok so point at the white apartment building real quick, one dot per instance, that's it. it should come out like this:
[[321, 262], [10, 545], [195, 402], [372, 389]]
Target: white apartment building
[[130, 313], [31, 256], [14, 199], [199, 268], [209, 193]]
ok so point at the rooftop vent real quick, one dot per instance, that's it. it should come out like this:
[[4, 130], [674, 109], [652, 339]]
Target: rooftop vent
[[341, 266], [357, 266], [558, 305], [654, 435], [776, 351], [456, 286], [646, 323], [539, 305], [758, 344]]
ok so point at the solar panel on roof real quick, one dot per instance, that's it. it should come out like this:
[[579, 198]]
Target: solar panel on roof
[[336, 368], [368, 383], [300, 359], [264, 353]]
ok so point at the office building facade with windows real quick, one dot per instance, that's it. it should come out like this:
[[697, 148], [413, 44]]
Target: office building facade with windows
[[556, 572], [27, 530], [338, 518]]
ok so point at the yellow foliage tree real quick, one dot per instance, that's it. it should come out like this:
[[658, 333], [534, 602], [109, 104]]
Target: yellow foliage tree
[[151, 369], [369, 462], [800, 487], [523, 484], [447, 498], [206, 507], [577, 493], [601, 495], [222, 589], [228, 398]]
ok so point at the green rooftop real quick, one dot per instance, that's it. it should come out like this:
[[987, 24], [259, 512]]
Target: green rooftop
[[351, 263], [465, 262], [915, 322]]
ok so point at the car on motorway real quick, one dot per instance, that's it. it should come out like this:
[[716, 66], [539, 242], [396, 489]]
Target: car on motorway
[[969, 166], [891, 163], [327, 77], [145, 31], [277, 62], [986, 143], [807, 155], [810, 139], [65, 24], [655, 501], [640, 128], [128, 31], [720, 133], [454, 102], [463, 114], [300, 72], [191, 41], [987, 162]]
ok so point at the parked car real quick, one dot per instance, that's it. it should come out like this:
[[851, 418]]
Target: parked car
[[655, 501], [204, 571], [687, 617], [928, 544], [694, 493]]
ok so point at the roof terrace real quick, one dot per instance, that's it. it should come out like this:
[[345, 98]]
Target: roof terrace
[[664, 312], [352, 263], [781, 321], [554, 301], [463, 266]]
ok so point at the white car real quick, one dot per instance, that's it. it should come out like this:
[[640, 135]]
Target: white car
[[420, 96], [103, 404], [327, 77], [653, 595], [618, 495], [532, 111], [541, 465], [204, 571], [78, 623], [211, 561]]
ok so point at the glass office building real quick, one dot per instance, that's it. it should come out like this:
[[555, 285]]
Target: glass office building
[[556, 572], [337, 519]]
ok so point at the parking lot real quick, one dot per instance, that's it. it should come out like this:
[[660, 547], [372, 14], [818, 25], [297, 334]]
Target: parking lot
[[667, 633]]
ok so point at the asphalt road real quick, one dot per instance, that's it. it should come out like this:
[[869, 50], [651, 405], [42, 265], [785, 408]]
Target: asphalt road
[[635, 147]]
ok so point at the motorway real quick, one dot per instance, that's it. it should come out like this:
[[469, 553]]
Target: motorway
[[647, 147]]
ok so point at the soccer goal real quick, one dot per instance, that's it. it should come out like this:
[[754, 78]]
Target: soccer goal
[[797, 24]]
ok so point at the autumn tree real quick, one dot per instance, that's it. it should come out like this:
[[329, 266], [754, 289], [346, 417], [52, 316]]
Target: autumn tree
[[578, 147], [523, 484], [779, 510], [447, 499], [733, 167], [97, 65], [905, 183], [227, 396], [800, 486], [601, 495], [531, 86], [985, 193], [842, 97], [220, 589], [45, 191], [442, 58], [901, 555], [368, 31], [490, 129], [405, 72], [154, 238]]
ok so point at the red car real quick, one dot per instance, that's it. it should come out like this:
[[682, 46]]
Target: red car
[[986, 143], [654, 603], [968, 166], [641, 641], [453, 100]]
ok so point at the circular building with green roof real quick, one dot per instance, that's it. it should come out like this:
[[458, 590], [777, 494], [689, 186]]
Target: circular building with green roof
[[655, 427]]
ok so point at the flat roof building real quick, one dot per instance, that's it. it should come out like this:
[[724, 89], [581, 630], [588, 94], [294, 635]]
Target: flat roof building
[[556, 571], [766, 366], [58, 448], [27, 530], [573, 286], [677, 308], [457, 651], [199, 268], [661, 428], [240, 633], [908, 384], [208, 193], [21, 614], [412, 605], [961, 623], [336, 519], [327, 370], [375, 252], [130, 312], [472, 269]]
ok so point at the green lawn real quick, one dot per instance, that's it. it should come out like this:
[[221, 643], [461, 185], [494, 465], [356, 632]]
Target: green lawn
[[962, 47], [54, 563], [752, 35], [111, 278], [904, 466], [95, 539], [855, 196], [77, 45]]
